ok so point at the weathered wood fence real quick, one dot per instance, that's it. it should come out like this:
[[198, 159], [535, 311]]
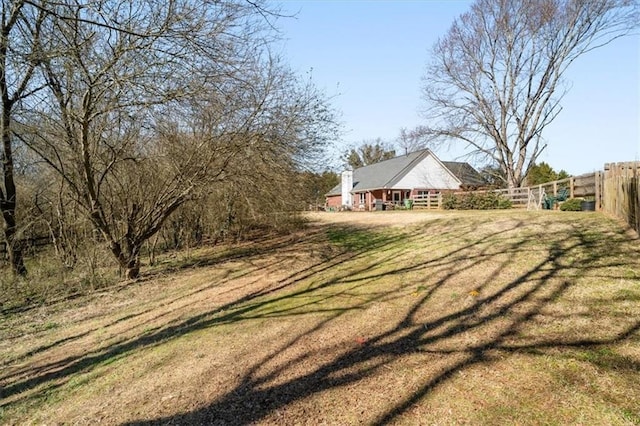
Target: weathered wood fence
[[428, 201], [587, 185], [616, 191], [621, 192]]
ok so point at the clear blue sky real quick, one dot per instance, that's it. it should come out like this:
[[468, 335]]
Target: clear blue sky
[[372, 54]]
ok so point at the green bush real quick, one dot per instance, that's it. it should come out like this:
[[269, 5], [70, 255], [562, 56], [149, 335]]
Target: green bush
[[449, 201], [475, 201], [572, 205], [504, 203]]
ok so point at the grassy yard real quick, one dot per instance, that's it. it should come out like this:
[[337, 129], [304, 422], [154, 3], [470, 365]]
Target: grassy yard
[[397, 317]]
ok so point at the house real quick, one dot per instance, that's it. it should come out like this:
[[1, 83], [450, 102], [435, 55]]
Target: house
[[409, 176]]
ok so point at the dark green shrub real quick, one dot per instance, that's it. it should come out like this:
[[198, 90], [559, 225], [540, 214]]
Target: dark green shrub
[[475, 201], [449, 201], [504, 203], [572, 205]]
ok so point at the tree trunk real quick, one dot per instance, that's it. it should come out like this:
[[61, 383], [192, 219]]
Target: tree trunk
[[8, 197], [152, 244], [132, 270], [15, 250], [129, 262]]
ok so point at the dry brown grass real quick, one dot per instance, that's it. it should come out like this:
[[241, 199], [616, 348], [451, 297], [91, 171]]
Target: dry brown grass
[[407, 318]]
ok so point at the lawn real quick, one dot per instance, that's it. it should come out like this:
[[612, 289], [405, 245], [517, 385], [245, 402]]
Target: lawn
[[507, 317]]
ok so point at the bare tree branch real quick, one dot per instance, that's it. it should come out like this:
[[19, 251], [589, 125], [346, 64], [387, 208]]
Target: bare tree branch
[[496, 80]]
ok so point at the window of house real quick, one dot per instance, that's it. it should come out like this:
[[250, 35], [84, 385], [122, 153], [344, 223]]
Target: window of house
[[426, 193], [363, 197]]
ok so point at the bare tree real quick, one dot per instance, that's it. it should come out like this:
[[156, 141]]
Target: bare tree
[[20, 52], [411, 140], [370, 152], [150, 106], [262, 188], [496, 80]]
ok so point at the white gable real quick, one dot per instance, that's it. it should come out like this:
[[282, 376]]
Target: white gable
[[428, 174]]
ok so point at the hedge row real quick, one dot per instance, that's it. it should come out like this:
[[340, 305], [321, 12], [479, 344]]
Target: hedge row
[[475, 201]]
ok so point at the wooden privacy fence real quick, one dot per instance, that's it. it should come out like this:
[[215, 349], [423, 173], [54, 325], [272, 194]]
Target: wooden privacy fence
[[621, 192]]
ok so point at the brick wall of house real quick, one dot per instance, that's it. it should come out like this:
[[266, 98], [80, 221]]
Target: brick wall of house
[[334, 201]]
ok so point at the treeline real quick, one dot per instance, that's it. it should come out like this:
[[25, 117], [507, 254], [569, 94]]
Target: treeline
[[128, 125]]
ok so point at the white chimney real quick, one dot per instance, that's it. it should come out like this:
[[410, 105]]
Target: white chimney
[[347, 186]]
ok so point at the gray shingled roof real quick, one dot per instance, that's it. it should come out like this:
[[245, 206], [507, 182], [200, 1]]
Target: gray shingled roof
[[382, 174], [465, 173], [386, 173]]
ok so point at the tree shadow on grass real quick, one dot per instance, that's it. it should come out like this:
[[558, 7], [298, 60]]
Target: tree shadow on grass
[[23, 379], [510, 305], [245, 251]]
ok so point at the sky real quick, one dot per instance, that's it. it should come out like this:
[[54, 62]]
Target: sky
[[369, 56]]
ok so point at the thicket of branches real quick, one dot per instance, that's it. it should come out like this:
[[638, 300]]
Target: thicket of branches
[[369, 152], [124, 122]]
